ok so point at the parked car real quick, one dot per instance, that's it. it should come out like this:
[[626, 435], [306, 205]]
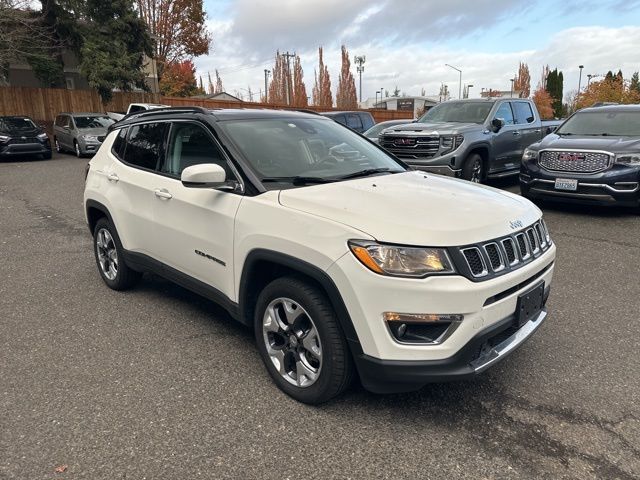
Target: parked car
[[593, 157], [21, 137], [80, 133], [474, 139], [135, 108], [373, 132], [341, 259], [357, 120]]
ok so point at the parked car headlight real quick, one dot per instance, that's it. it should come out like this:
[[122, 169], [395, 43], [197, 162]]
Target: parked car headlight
[[4, 138], [43, 136], [90, 138], [401, 261], [529, 154], [632, 159], [450, 142]]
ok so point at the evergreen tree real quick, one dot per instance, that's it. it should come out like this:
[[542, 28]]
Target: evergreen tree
[[555, 86], [396, 92], [635, 82]]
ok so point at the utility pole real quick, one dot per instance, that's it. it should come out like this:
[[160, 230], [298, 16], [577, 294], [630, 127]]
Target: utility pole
[[266, 86], [360, 62], [580, 77], [512, 81], [288, 78]]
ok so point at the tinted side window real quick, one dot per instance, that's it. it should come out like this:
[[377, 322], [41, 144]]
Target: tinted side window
[[353, 121], [504, 112], [135, 108], [119, 143], [190, 144], [145, 145], [367, 121], [340, 119], [523, 112], [58, 122]]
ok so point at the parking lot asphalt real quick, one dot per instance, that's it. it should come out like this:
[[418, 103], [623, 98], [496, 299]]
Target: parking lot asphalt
[[160, 383]]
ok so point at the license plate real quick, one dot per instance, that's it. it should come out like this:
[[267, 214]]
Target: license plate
[[566, 184], [529, 304]]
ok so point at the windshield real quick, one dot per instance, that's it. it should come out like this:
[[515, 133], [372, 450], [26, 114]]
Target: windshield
[[616, 124], [312, 148], [90, 121], [458, 112], [8, 125]]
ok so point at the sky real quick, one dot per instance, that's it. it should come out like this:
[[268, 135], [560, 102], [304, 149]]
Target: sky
[[408, 42]]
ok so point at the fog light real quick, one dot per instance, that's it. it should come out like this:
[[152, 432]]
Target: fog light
[[421, 328]]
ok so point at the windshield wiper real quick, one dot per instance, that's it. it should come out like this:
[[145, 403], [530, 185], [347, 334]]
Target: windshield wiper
[[296, 180], [363, 173]]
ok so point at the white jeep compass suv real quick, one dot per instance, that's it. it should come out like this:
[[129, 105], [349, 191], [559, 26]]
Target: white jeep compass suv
[[343, 261]]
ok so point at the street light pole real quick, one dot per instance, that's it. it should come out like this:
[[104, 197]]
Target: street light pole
[[512, 81], [376, 104], [580, 77], [460, 81]]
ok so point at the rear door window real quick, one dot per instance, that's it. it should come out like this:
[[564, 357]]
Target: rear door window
[[146, 145], [367, 121], [523, 112], [119, 143]]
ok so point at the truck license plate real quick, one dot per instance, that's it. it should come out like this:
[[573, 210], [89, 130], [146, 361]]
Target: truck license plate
[[529, 304], [566, 184]]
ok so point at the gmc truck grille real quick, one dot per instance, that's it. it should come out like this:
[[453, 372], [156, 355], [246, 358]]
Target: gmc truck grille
[[508, 253], [410, 146], [579, 162]]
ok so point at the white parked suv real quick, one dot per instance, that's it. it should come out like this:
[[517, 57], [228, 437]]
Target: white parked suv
[[344, 261]]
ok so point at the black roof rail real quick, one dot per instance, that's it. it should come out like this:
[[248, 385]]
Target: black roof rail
[[305, 110], [151, 111]]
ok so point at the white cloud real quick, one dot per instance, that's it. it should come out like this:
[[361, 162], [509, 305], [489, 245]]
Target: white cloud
[[244, 45]]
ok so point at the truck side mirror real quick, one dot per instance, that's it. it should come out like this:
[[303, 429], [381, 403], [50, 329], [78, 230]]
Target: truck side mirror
[[497, 124]]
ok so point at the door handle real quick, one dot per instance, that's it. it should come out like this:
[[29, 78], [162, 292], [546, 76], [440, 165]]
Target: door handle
[[112, 177], [516, 132], [162, 193]]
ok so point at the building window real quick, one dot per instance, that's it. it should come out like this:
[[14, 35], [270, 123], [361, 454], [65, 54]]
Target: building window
[[71, 85]]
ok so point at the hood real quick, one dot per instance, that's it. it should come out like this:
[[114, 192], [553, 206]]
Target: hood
[[22, 132], [608, 144], [93, 131], [434, 128], [414, 208]]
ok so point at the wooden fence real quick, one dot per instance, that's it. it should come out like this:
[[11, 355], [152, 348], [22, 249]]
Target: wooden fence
[[43, 104]]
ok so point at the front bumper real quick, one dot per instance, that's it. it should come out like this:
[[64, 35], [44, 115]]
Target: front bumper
[[24, 149], [437, 169], [89, 148], [487, 348], [619, 185]]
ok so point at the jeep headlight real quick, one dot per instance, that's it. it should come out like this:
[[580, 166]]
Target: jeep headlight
[[631, 159], [43, 136], [90, 138], [449, 143], [401, 261], [529, 154]]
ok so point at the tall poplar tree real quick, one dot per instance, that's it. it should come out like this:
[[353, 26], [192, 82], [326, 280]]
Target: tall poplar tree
[[346, 96], [322, 95]]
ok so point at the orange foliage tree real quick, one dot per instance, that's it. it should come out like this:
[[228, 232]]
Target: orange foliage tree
[[611, 89], [299, 89], [346, 97], [178, 28], [179, 80], [544, 103], [322, 95], [522, 82]]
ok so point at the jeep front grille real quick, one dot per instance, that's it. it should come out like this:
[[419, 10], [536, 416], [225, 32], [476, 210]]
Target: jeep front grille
[[578, 162], [505, 254]]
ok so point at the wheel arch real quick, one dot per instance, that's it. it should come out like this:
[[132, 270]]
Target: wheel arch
[[95, 211], [261, 266]]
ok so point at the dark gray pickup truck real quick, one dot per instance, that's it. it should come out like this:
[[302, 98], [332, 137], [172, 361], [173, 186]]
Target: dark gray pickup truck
[[474, 139]]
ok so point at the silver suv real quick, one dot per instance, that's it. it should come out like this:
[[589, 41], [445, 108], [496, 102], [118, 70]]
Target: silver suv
[[81, 133]]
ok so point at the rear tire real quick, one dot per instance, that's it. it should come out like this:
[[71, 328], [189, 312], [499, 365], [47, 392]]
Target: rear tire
[[110, 257], [300, 341], [473, 169]]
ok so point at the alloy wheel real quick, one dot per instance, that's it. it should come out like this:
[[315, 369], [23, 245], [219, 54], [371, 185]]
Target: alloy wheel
[[292, 341], [107, 254], [78, 154], [58, 149]]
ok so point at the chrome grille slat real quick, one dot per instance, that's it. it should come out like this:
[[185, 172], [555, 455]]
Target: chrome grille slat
[[574, 161], [507, 253]]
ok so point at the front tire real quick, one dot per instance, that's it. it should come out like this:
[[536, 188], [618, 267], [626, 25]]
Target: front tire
[[110, 257], [57, 144], [76, 147], [473, 169], [300, 341]]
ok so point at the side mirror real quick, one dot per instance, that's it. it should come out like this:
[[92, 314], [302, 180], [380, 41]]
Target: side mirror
[[497, 124], [205, 175]]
